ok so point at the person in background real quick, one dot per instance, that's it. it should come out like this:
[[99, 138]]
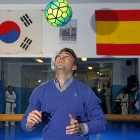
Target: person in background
[[134, 104], [137, 101], [10, 104], [123, 97], [108, 98], [64, 105]]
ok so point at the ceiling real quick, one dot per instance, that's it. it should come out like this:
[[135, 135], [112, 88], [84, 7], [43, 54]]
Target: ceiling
[[98, 64], [69, 1], [48, 60], [26, 61]]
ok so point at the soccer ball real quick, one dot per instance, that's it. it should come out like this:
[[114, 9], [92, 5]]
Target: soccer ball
[[58, 13]]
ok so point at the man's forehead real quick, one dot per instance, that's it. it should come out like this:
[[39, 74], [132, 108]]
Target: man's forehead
[[64, 52]]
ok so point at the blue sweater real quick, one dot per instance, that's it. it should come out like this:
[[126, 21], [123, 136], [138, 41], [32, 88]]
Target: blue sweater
[[78, 100]]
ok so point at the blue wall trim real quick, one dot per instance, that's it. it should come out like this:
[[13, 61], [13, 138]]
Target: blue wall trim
[[23, 95]]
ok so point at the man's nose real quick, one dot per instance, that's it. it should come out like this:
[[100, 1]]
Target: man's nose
[[62, 57]]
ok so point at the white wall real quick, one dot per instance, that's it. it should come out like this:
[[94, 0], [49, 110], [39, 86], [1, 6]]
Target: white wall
[[70, 1], [86, 33]]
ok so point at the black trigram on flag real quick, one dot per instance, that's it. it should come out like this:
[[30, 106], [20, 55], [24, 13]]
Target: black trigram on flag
[[26, 43], [26, 20]]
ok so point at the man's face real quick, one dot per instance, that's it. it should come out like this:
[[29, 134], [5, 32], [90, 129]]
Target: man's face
[[10, 88], [64, 61]]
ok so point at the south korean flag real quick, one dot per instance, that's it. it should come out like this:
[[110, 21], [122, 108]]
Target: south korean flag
[[21, 31]]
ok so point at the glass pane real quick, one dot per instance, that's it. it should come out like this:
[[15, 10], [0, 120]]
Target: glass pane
[[25, 74]]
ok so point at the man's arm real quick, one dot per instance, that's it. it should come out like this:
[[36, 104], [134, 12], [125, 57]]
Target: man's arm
[[32, 115], [98, 122], [75, 127], [33, 118]]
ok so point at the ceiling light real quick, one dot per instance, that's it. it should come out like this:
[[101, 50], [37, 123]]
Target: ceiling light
[[90, 68], [39, 60], [84, 59]]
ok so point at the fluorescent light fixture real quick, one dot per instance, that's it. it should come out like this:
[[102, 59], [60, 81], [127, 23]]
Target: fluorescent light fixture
[[39, 60], [84, 59], [90, 68]]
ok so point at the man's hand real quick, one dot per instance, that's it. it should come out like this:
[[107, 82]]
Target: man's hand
[[33, 118], [74, 127]]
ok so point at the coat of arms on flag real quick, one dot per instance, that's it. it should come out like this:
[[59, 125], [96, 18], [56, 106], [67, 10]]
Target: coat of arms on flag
[[21, 31], [117, 32]]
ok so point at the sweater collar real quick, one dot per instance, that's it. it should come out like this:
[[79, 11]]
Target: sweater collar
[[67, 82]]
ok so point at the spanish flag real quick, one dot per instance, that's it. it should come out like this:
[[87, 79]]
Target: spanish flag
[[117, 32]]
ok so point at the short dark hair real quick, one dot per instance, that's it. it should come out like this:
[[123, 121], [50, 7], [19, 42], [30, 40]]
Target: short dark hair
[[125, 89], [9, 86], [72, 53]]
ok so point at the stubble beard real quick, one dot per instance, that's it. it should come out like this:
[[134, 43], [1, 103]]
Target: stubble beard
[[60, 68]]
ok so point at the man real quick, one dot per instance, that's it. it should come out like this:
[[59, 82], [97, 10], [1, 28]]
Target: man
[[10, 104], [108, 97], [123, 99], [64, 105]]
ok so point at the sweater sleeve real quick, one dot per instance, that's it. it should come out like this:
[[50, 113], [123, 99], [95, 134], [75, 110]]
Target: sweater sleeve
[[98, 122], [34, 104]]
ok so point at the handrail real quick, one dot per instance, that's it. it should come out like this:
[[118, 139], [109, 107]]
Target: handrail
[[109, 117]]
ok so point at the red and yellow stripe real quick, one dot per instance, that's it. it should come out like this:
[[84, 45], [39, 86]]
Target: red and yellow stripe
[[118, 32]]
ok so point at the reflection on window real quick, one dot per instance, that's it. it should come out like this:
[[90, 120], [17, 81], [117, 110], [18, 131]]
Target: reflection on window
[[25, 74], [91, 75], [80, 75], [102, 86], [35, 75]]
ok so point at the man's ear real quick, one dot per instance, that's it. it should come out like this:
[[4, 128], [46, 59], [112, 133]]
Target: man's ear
[[74, 67]]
